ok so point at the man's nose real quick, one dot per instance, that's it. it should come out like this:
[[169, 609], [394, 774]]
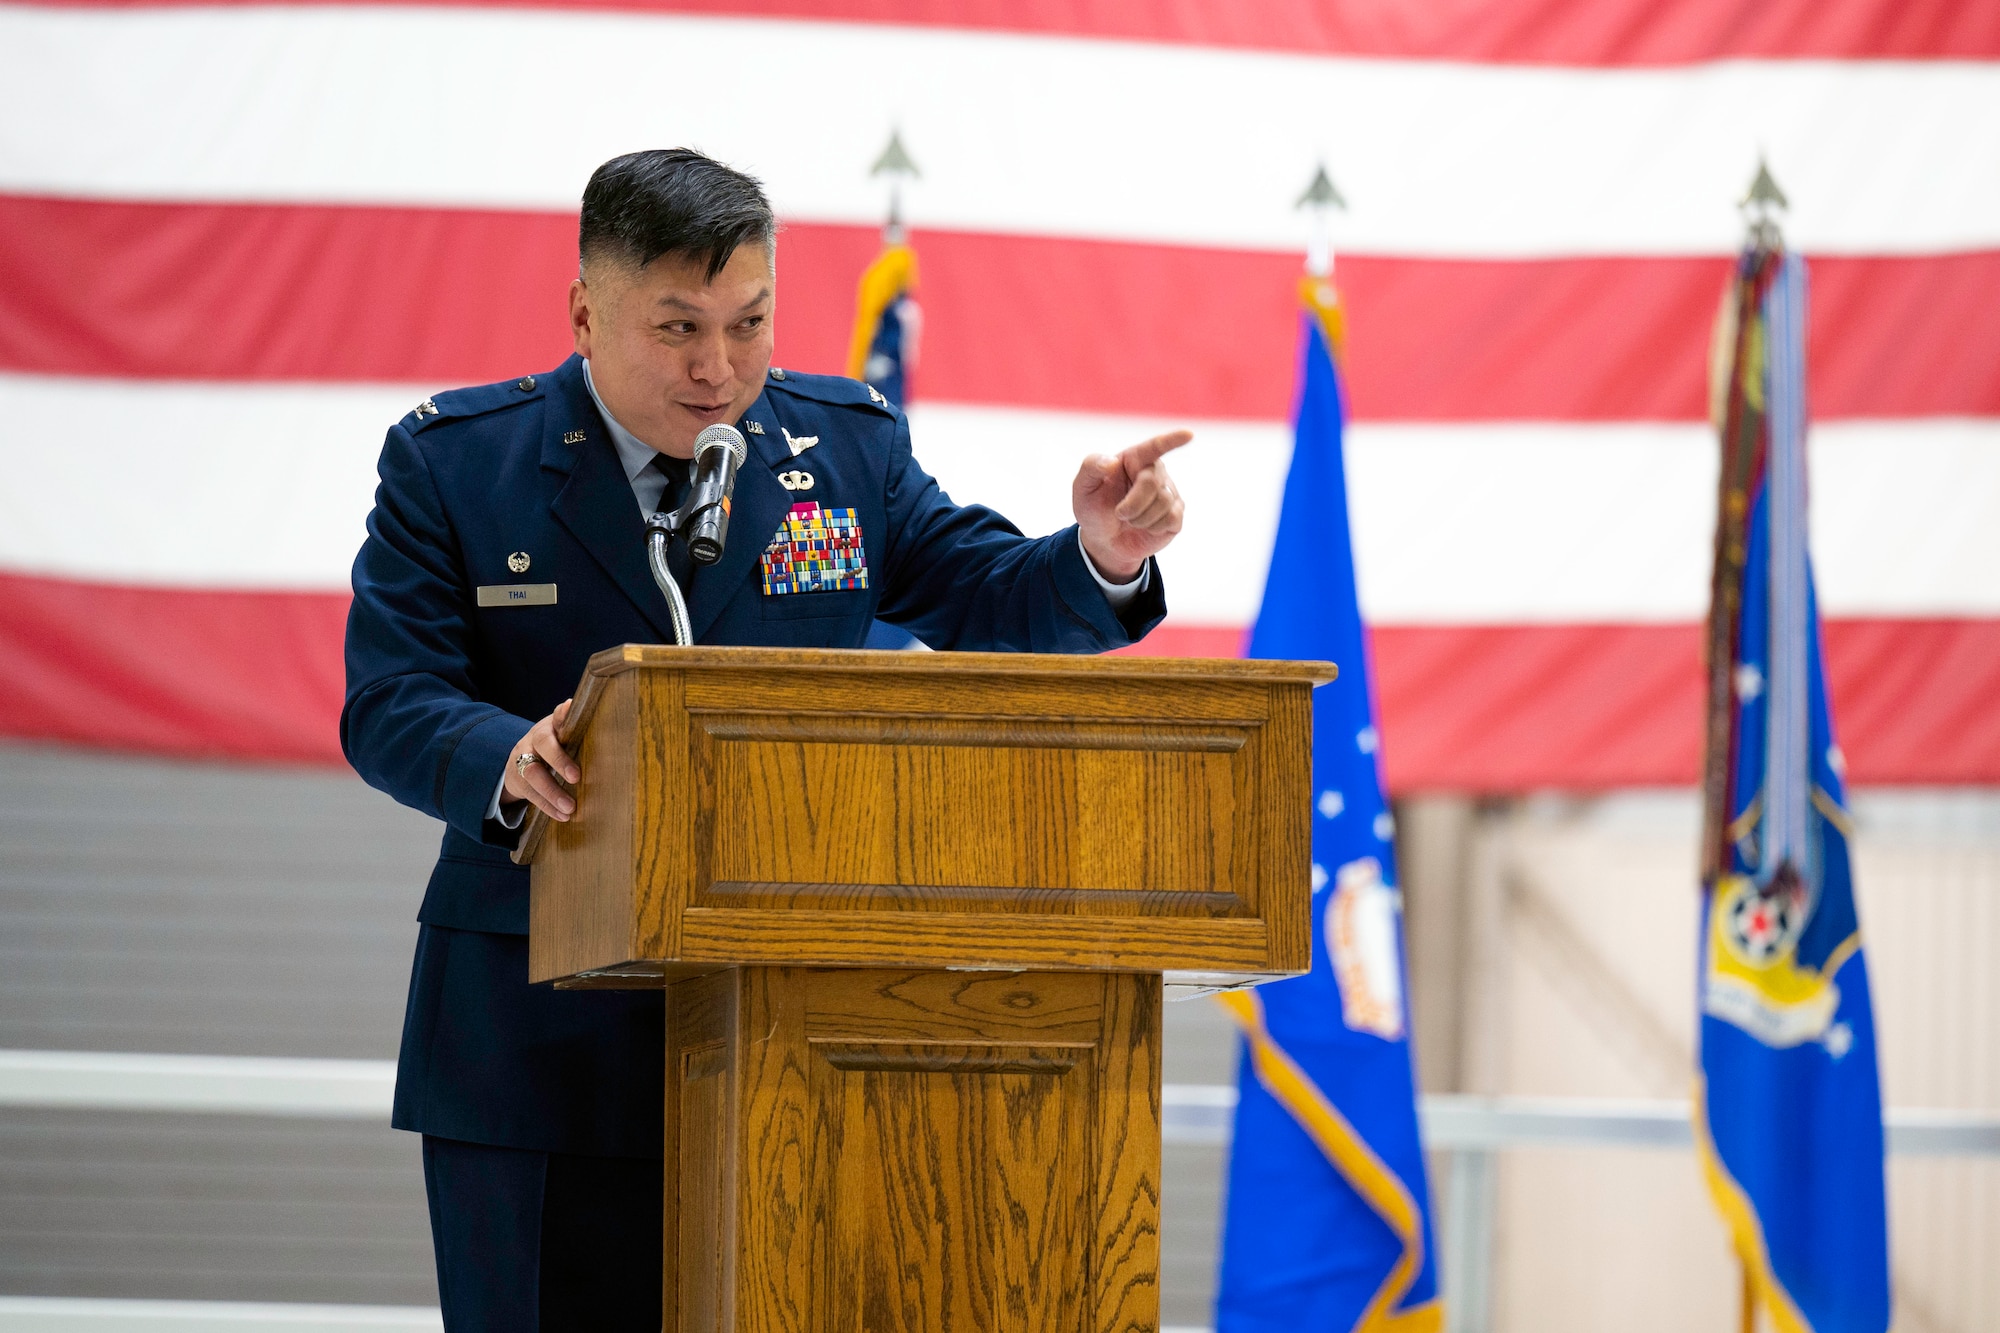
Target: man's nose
[[710, 360]]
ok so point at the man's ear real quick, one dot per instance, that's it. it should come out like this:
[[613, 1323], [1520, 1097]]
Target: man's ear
[[583, 315]]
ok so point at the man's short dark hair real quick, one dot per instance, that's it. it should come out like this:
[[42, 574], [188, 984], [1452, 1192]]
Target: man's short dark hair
[[672, 201]]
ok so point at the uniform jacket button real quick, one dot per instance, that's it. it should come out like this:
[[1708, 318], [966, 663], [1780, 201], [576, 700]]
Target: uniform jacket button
[[525, 384]]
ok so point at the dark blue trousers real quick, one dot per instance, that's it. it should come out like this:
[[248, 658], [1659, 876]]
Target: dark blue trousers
[[543, 1242]]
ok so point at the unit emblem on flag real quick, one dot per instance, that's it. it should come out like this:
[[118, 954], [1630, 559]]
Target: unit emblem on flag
[[1753, 978], [1361, 938], [815, 550]]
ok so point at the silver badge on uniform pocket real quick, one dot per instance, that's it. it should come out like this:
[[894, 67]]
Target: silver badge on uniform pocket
[[796, 481], [518, 562]]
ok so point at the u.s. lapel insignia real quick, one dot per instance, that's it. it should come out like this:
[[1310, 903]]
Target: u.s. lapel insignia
[[798, 444], [796, 481], [754, 427], [572, 437], [876, 394], [518, 562], [426, 408]]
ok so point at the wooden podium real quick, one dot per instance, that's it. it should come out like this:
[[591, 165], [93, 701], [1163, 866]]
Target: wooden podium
[[913, 912]]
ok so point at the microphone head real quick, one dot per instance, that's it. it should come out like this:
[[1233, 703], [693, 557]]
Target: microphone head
[[721, 435]]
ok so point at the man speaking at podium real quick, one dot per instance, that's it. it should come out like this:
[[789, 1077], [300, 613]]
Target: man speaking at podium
[[507, 545]]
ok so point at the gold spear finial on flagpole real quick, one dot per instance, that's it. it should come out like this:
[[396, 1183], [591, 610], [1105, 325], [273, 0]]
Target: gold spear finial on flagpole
[[1758, 203], [895, 163], [1320, 197]]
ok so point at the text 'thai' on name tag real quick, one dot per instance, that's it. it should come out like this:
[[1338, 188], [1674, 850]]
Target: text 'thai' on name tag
[[517, 594]]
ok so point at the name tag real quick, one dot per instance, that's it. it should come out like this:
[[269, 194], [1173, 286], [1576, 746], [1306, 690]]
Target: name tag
[[517, 594]]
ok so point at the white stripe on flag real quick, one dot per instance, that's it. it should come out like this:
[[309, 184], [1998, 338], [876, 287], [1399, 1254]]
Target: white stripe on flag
[[1028, 134], [267, 487]]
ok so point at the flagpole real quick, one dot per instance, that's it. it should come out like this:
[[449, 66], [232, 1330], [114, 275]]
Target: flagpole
[[1759, 204], [1321, 198], [896, 164]]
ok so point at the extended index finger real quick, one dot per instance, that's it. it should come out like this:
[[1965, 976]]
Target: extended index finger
[[1142, 456]]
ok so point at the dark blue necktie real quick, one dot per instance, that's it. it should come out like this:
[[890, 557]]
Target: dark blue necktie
[[675, 470]]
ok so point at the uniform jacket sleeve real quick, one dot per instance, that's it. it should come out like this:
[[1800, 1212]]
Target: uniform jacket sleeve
[[412, 724], [963, 577]]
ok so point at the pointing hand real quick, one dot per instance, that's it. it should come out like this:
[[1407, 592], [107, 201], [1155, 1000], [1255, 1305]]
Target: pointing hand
[[1126, 505]]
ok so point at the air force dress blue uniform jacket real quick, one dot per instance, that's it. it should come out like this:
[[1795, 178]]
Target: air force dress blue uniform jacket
[[517, 486]]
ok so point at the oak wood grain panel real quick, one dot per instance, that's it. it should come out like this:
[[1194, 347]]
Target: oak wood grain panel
[[1027, 695], [663, 843], [935, 728], [913, 1150], [952, 939], [1043, 1009], [792, 896], [1283, 756], [778, 1227], [958, 816], [1126, 1226], [705, 1175], [932, 812], [580, 906], [952, 1202], [698, 1231]]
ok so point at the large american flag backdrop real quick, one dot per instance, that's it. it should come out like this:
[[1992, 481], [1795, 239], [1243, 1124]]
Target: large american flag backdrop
[[237, 241]]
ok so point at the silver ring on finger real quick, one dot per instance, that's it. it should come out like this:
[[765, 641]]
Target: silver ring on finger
[[526, 760]]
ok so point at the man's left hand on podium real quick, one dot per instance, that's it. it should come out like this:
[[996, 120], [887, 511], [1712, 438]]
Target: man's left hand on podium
[[538, 760]]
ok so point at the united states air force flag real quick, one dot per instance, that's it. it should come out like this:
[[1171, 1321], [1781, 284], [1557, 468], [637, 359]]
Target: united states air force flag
[[1328, 1222], [1789, 1111]]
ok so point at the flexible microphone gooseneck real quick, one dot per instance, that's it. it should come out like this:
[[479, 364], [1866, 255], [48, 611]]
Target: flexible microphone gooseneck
[[703, 519]]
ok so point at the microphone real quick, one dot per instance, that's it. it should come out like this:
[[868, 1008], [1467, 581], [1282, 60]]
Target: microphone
[[704, 520]]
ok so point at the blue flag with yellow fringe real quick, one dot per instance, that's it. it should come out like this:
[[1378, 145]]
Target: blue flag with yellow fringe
[[1328, 1217], [1788, 1103]]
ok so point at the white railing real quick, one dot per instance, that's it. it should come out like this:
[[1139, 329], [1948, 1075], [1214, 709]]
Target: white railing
[[1471, 1129]]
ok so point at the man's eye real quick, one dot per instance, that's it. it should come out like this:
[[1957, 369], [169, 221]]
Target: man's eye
[[679, 328]]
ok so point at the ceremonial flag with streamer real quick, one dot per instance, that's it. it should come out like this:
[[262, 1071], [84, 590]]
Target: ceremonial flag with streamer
[[1788, 1104], [887, 322], [1328, 1222]]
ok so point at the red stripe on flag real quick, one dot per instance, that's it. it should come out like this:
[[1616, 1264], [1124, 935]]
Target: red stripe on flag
[[447, 297], [1511, 708], [237, 675], [1560, 32], [258, 675]]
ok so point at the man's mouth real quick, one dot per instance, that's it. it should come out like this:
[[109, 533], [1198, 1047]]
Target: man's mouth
[[706, 409]]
